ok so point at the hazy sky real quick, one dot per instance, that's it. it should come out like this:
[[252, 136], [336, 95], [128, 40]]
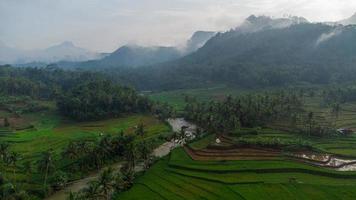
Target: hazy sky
[[104, 25]]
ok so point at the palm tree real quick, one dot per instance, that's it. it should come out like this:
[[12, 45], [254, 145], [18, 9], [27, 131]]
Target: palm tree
[[140, 130], [107, 146], [71, 152], [45, 165], [310, 121], [123, 180], [106, 182], [92, 191], [335, 111], [145, 149], [98, 155], [4, 150], [27, 168], [6, 122], [12, 160], [73, 196], [182, 135], [130, 155], [198, 132]]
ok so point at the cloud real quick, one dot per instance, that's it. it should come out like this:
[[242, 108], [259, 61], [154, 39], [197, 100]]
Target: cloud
[[327, 36], [105, 25]]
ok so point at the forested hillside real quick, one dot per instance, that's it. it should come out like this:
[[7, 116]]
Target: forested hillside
[[300, 53]]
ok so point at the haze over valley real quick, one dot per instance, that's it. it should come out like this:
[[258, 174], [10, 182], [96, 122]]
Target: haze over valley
[[175, 100]]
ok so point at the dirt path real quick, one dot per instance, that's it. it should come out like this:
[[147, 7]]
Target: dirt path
[[160, 151]]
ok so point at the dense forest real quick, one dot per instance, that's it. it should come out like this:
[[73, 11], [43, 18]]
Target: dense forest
[[79, 95], [100, 99]]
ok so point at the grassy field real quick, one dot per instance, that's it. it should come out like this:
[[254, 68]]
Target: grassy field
[[49, 131], [176, 97], [179, 177]]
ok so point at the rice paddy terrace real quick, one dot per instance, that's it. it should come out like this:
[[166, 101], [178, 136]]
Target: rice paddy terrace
[[206, 170]]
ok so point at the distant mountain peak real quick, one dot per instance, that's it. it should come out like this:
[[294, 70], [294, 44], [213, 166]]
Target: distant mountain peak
[[67, 44], [198, 39], [257, 23], [251, 18], [198, 34]]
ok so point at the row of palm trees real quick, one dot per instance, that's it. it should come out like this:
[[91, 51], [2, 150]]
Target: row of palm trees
[[243, 111], [106, 185], [110, 181], [83, 155], [259, 110], [89, 155]]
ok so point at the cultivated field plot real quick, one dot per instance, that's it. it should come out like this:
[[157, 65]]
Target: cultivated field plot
[[340, 145], [179, 177], [176, 97], [49, 131], [245, 173]]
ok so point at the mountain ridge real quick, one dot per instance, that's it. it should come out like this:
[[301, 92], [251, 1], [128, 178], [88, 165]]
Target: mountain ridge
[[303, 52], [137, 56], [64, 51]]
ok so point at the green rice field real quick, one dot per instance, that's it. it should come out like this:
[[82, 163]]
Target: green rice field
[[51, 132], [179, 177]]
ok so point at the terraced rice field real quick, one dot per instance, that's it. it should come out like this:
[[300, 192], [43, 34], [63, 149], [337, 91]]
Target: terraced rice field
[[344, 146], [180, 177], [346, 118]]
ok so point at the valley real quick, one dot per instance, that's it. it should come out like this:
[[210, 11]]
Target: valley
[[177, 100]]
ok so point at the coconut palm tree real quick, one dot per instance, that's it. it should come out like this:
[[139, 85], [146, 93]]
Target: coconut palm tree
[[27, 168], [4, 150], [12, 160], [124, 180], [73, 196], [107, 147], [140, 130], [106, 182], [98, 155], [335, 111], [92, 191], [310, 121], [45, 165], [130, 155], [144, 149], [182, 135], [71, 152], [6, 122]]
